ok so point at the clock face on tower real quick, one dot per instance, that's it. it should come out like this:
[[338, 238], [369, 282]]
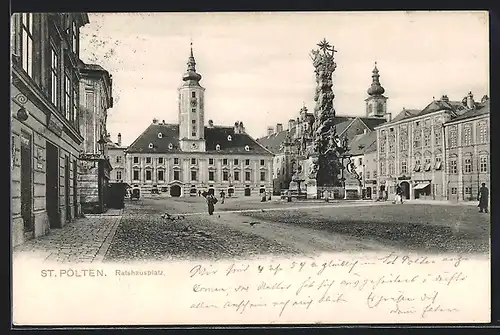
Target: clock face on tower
[[194, 102]]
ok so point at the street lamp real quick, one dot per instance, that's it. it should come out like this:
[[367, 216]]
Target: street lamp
[[101, 143]]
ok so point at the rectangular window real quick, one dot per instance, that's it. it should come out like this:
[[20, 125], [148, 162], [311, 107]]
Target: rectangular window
[[27, 43], [210, 161], [247, 176], [427, 141], [161, 175], [67, 97], [437, 136], [360, 161], [193, 161], [75, 105], [404, 167], [453, 137], [467, 140], [193, 175], [136, 174], [483, 164], [224, 161], [148, 174], [367, 175], [453, 166], [193, 121], [225, 175], [118, 175], [211, 176], [482, 132], [176, 161], [54, 75], [391, 168], [262, 162], [247, 162], [118, 159], [374, 174], [148, 160], [74, 36], [468, 190], [468, 165], [262, 176], [160, 160], [438, 163], [193, 94], [177, 175], [193, 110], [136, 160], [236, 175], [236, 162], [453, 190]]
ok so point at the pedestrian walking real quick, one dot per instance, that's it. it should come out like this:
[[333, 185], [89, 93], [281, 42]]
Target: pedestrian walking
[[399, 195], [222, 196], [199, 193], [483, 198], [211, 201]]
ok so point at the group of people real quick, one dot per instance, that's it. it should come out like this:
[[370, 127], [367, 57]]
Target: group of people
[[212, 200], [483, 197]]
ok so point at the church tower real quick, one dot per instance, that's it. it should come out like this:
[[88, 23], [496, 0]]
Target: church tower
[[376, 103], [191, 109]]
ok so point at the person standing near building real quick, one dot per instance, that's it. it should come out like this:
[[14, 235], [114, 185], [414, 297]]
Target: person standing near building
[[211, 201], [399, 194], [483, 198], [222, 196]]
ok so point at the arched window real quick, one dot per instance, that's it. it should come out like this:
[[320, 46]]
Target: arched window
[[170, 146], [160, 135], [247, 148], [229, 138], [150, 146], [217, 147]]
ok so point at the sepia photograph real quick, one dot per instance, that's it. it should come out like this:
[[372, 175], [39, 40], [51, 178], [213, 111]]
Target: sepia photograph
[[232, 168]]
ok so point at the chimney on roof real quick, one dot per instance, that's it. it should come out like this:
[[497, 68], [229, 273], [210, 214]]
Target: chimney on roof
[[119, 139], [279, 127], [365, 131], [242, 128], [388, 117], [445, 98], [155, 121], [236, 127], [291, 124], [163, 121], [270, 130], [210, 123], [470, 101]]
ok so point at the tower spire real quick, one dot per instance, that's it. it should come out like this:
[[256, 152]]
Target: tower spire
[[191, 74], [375, 88]]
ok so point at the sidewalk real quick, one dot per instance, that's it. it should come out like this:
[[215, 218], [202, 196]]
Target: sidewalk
[[84, 240]]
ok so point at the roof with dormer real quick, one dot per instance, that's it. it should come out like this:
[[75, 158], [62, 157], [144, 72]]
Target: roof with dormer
[[274, 141], [168, 142]]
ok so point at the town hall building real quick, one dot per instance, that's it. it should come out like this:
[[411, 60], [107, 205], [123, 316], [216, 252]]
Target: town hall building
[[190, 157]]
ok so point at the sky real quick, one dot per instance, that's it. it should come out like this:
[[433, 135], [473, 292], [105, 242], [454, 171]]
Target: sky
[[256, 67]]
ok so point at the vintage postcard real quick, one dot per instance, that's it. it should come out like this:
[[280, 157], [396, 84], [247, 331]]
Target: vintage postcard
[[250, 168]]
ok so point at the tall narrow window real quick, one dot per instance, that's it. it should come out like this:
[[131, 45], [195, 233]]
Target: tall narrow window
[[75, 106], [27, 43], [74, 33], [54, 75], [67, 97]]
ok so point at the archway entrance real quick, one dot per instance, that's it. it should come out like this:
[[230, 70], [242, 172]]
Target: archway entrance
[[175, 191], [405, 188]]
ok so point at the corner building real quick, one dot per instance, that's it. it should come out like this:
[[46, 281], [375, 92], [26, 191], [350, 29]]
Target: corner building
[[185, 158]]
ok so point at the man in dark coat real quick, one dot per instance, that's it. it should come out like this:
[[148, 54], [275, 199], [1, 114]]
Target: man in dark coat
[[483, 198], [211, 201]]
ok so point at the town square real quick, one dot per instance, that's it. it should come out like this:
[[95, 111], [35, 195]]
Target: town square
[[114, 160]]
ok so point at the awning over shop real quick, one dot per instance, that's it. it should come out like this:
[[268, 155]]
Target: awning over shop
[[421, 186]]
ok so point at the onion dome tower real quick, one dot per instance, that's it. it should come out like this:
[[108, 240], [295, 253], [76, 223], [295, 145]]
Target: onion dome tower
[[376, 103]]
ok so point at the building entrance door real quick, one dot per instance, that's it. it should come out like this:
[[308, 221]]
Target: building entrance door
[[67, 198], [405, 188], [175, 191], [75, 187], [27, 184], [52, 185], [247, 191]]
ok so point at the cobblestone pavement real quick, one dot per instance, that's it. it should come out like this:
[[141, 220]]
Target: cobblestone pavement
[[243, 228], [84, 240]]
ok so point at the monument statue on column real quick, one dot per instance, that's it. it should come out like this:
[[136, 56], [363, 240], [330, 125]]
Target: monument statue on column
[[325, 163]]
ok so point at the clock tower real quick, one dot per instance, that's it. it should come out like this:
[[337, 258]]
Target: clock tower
[[191, 109]]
